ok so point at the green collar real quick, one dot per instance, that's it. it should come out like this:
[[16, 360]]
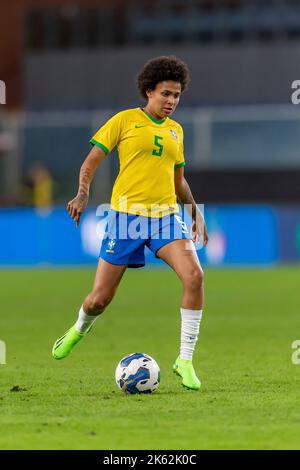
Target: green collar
[[152, 118]]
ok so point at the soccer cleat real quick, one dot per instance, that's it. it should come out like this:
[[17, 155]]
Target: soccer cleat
[[64, 345], [186, 370]]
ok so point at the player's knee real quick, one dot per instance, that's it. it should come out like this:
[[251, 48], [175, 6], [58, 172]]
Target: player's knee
[[98, 303], [194, 279]]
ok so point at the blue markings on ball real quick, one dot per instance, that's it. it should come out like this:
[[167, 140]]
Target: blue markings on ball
[[137, 373], [130, 358], [132, 381]]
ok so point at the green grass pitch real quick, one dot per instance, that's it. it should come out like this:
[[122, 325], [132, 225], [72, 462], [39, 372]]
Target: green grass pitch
[[250, 388]]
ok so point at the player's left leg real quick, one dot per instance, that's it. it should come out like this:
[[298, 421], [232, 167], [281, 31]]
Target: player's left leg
[[181, 256]]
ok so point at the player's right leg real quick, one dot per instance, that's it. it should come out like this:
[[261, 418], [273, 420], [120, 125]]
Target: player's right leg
[[108, 277]]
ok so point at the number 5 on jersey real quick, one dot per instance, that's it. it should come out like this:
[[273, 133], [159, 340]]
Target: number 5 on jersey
[[159, 150]]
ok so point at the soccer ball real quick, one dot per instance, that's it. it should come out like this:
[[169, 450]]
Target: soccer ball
[[137, 373]]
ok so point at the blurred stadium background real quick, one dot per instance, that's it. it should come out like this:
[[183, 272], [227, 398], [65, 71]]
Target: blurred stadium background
[[68, 66]]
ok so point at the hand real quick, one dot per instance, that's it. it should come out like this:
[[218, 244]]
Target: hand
[[77, 206], [199, 228]]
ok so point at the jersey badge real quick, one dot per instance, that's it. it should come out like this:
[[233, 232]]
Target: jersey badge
[[174, 135]]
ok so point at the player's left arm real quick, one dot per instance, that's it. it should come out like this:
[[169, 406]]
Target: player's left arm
[[184, 194]]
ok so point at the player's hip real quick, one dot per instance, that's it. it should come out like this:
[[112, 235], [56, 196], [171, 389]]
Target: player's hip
[[131, 227], [127, 235]]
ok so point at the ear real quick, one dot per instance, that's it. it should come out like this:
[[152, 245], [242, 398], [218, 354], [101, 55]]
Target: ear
[[149, 93]]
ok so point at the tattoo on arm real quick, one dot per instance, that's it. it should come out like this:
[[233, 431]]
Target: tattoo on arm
[[82, 199], [85, 178]]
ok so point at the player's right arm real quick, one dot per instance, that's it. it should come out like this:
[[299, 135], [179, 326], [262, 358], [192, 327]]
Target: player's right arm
[[104, 141], [78, 205]]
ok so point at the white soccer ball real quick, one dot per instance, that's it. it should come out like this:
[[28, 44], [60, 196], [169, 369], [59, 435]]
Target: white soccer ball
[[138, 373]]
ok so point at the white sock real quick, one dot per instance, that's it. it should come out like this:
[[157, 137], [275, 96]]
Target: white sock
[[190, 325], [84, 321]]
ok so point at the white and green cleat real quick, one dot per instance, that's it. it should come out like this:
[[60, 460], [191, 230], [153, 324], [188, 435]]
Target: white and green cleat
[[64, 345], [185, 370]]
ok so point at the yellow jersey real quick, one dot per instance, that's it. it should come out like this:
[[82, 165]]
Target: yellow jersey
[[149, 151]]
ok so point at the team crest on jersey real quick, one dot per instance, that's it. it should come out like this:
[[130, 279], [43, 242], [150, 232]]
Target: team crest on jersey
[[174, 135], [111, 245]]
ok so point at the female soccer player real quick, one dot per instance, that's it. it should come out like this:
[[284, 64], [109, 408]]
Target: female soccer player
[[151, 176]]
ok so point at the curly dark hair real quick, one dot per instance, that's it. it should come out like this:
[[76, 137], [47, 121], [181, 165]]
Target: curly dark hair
[[160, 69]]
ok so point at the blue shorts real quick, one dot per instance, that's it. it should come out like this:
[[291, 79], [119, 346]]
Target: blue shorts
[[126, 236]]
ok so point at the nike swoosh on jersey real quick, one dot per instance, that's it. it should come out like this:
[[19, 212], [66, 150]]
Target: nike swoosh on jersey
[[137, 125]]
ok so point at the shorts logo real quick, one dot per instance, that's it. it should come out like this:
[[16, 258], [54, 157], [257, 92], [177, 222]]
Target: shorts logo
[[111, 245], [174, 135], [182, 223]]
